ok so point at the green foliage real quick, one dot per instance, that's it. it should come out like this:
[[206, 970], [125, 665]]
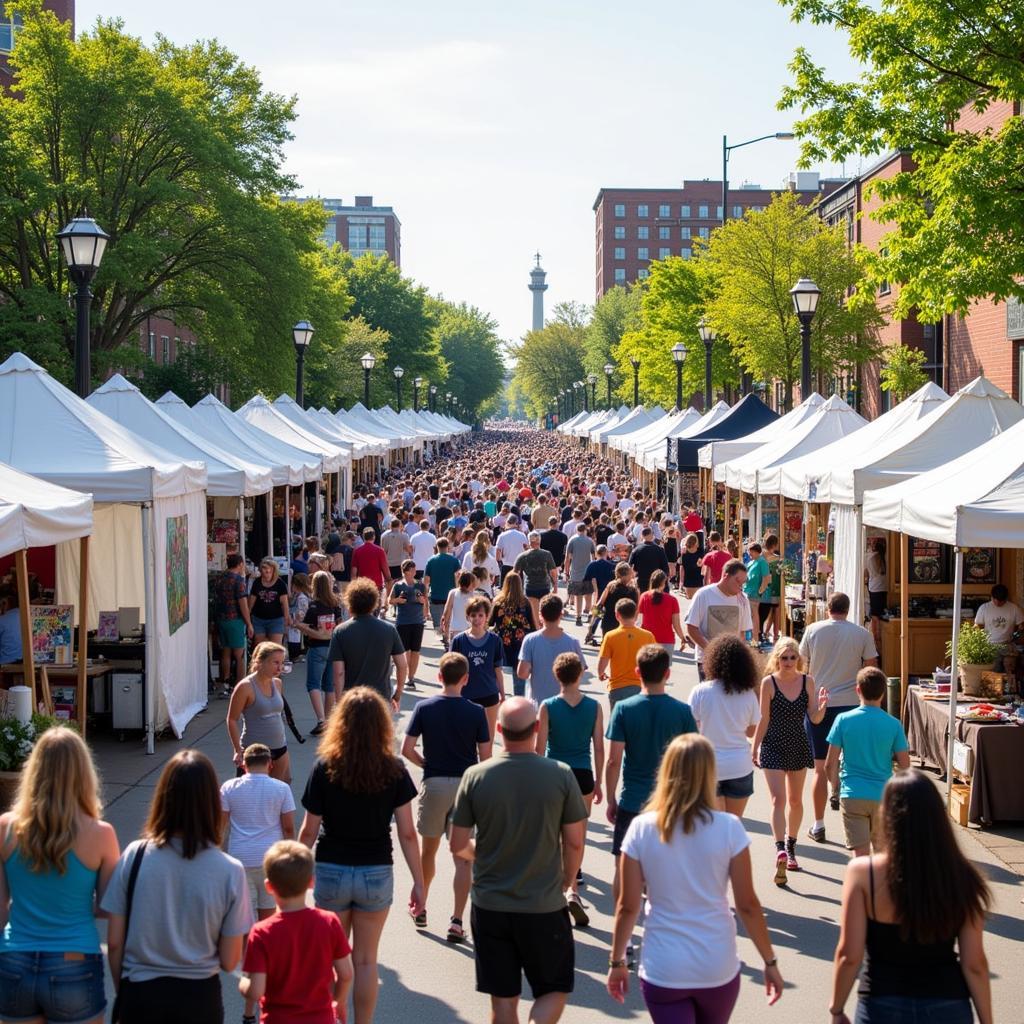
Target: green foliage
[[747, 270], [17, 739], [902, 371], [616, 312], [930, 66], [974, 647], [195, 373], [469, 345], [547, 361]]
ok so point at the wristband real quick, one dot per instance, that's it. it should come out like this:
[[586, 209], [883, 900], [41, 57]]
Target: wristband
[[616, 963], [771, 963]]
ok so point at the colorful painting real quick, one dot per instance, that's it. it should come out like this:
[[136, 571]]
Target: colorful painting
[[52, 631], [107, 628], [216, 557], [177, 572]]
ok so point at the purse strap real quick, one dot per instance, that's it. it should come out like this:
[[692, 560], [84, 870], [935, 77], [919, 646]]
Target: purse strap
[[133, 875]]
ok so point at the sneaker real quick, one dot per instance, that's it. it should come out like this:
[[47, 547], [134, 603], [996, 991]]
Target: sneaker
[[318, 729], [576, 910], [410, 684], [791, 862], [420, 920], [780, 868], [817, 834], [579, 620], [590, 641], [579, 876]]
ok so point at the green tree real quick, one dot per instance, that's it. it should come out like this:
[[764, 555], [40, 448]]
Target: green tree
[[749, 267], [572, 314], [616, 312], [336, 381], [902, 371], [469, 344], [547, 361], [177, 152], [928, 69]]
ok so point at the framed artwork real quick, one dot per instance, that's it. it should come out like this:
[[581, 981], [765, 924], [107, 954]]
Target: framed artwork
[[52, 632], [177, 572]]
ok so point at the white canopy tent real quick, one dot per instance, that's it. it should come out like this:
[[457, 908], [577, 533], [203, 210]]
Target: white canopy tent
[[627, 442], [976, 500], [606, 419], [149, 529], [654, 457], [637, 418], [564, 427]]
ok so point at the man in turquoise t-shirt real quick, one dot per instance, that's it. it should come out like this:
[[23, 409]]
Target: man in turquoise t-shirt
[[758, 586], [869, 739], [439, 579]]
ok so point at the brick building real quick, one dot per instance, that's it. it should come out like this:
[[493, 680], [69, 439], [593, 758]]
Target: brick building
[[360, 228], [634, 226], [9, 25]]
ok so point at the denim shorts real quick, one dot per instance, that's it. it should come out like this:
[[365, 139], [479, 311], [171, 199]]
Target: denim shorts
[[268, 627], [911, 1010], [737, 789], [46, 985], [366, 887], [316, 676]]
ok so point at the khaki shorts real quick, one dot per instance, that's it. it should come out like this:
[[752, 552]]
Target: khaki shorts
[[258, 895], [434, 809], [860, 821]]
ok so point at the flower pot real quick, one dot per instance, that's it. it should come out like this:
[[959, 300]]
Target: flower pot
[[970, 677], [8, 788]]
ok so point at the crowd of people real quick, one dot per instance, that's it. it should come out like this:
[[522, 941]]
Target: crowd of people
[[511, 759]]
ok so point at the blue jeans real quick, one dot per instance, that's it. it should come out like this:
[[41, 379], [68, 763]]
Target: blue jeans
[[316, 676], [268, 627], [910, 1010], [48, 986], [367, 887]]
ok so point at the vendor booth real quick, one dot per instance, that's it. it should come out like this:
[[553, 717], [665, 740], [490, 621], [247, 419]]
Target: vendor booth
[[653, 455]]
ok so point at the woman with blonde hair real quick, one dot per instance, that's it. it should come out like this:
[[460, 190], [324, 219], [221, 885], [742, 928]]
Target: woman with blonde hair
[[268, 604], [687, 854], [256, 710], [480, 555], [355, 789], [781, 746], [56, 859]]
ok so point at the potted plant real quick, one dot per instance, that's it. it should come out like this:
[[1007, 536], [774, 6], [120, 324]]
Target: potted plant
[[975, 654], [16, 742]]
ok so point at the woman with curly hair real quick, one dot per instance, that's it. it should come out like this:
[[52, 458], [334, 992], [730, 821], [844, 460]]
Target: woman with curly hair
[[354, 790], [727, 710]]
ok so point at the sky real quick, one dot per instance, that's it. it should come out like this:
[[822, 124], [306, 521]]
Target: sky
[[490, 126]]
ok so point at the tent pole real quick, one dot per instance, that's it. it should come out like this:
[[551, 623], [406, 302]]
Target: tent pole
[[287, 530], [149, 580], [954, 668], [725, 518], [904, 616], [27, 656], [270, 523], [83, 629]]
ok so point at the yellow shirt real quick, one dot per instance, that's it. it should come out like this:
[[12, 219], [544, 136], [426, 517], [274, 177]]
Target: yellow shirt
[[620, 647]]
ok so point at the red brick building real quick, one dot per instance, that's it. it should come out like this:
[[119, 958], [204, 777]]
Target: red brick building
[[360, 228], [9, 25]]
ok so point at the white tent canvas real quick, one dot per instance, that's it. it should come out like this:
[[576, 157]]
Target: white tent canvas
[[638, 417], [656, 432], [36, 514], [656, 457], [260, 413]]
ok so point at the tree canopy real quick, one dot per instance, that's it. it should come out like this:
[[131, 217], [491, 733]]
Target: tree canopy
[[547, 361], [468, 342]]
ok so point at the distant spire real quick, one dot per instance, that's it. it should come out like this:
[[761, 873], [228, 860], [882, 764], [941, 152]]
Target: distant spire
[[536, 256], [538, 286]]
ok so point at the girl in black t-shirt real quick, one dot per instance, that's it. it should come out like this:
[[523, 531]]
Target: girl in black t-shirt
[[268, 604], [322, 615]]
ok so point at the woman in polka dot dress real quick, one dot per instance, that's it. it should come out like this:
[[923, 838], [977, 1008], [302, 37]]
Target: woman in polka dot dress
[[781, 747]]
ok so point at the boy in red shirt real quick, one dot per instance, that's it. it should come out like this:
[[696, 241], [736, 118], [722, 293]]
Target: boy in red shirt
[[298, 963], [714, 561]]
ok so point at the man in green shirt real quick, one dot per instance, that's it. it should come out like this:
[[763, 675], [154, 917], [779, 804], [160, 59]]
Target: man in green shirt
[[530, 820], [439, 579], [759, 581]]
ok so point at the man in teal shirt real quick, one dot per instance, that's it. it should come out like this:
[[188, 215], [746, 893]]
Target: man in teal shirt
[[869, 739], [439, 579], [759, 580]]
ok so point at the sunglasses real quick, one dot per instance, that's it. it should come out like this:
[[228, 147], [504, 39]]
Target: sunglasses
[[787, 657]]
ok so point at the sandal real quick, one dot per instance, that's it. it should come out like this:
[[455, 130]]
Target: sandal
[[455, 931], [420, 920]]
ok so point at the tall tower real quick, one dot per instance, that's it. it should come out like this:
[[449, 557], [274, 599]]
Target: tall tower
[[538, 287]]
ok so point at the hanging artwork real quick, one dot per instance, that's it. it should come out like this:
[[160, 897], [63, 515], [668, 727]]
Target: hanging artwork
[[52, 628], [177, 572]]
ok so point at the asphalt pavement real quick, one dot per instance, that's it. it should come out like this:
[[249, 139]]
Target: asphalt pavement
[[426, 980]]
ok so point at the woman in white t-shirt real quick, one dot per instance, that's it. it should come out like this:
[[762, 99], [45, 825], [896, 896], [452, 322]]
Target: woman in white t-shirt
[[727, 710], [687, 854]]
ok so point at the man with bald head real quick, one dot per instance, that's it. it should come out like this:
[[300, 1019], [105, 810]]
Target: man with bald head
[[530, 819]]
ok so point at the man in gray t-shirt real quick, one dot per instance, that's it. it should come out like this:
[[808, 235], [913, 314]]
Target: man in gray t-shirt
[[579, 553], [539, 572], [834, 651]]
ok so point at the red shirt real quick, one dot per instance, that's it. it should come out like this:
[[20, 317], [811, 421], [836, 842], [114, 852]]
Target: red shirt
[[714, 562], [525, 492], [296, 952], [657, 618], [503, 485], [693, 523], [370, 561]]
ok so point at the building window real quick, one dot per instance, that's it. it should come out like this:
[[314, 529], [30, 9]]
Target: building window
[[664, 232], [330, 235], [378, 237], [664, 252], [685, 253], [151, 345], [620, 209], [165, 349], [357, 236], [620, 252], [704, 232], [620, 230], [643, 231], [620, 275], [684, 210], [664, 210], [10, 26], [702, 212], [884, 288], [737, 212], [684, 232], [177, 346], [643, 253], [757, 209], [642, 273], [641, 210], [718, 212]]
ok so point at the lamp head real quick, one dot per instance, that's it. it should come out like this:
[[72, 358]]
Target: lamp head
[[433, 389], [635, 363], [302, 335], [705, 330], [805, 294], [368, 360], [398, 372], [784, 135], [609, 369], [679, 352], [591, 378], [83, 243], [418, 381]]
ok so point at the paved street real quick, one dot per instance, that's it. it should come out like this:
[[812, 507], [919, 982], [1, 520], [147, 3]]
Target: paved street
[[424, 979]]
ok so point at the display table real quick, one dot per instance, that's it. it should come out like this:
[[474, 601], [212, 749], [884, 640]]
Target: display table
[[56, 673], [996, 790]]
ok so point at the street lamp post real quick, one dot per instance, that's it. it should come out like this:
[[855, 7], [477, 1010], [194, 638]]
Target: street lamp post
[[679, 357], [707, 335], [805, 294], [417, 383], [369, 361], [302, 335], [726, 150], [83, 243], [448, 400], [398, 372], [635, 363], [586, 395], [433, 398], [558, 400], [592, 381], [608, 371]]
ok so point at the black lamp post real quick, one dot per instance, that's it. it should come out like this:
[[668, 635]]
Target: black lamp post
[[707, 335], [586, 395], [398, 372], [592, 381], [805, 295], [679, 357], [369, 361], [635, 363], [302, 335], [558, 402], [609, 369], [726, 150], [448, 397], [417, 383], [83, 242], [433, 398]]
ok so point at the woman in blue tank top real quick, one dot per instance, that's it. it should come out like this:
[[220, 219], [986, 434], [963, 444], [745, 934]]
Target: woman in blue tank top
[[56, 858]]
